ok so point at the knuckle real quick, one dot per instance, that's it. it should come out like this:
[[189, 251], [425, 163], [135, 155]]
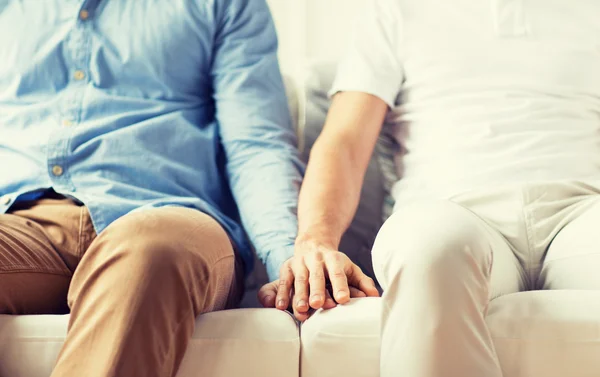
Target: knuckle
[[318, 256], [285, 274], [350, 273], [334, 256], [287, 263], [318, 274], [264, 291], [298, 264], [338, 274], [353, 275]]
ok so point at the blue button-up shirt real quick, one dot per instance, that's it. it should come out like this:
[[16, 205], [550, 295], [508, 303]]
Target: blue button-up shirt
[[126, 105]]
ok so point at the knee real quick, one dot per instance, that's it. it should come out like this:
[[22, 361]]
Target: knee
[[160, 244], [433, 241], [163, 255]]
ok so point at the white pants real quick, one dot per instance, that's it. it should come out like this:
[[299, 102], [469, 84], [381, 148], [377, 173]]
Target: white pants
[[441, 262]]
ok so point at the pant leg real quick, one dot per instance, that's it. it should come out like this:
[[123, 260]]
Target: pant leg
[[573, 258], [138, 289], [434, 261], [39, 248]]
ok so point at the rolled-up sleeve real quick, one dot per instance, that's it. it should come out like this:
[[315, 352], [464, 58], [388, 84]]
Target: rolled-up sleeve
[[371, 63], [256, 132]]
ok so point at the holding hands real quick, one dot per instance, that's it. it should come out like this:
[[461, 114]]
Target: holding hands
[[316, 277]]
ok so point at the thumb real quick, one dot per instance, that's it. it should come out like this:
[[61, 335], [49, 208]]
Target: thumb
[[267, 294]]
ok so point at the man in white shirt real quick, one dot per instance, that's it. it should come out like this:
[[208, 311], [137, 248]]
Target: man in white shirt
[[496, 106]]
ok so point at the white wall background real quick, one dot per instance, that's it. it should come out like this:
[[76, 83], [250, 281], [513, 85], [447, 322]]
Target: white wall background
[[313, 29]]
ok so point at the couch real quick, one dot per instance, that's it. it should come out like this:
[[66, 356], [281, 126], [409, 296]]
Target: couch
[[536, 334]]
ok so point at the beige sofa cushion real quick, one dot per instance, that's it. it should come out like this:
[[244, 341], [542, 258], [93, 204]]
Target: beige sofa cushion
[[244, 342]]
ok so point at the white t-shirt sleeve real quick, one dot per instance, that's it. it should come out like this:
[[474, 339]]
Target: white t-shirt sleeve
[[372, 64]]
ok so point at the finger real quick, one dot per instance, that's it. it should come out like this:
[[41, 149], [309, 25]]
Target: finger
[[356, 293], [298, 315], [301, 316], [317, 281], [267, 294], [329, 302], [300, 271], [359, 279], [337, 276], [286, 279]]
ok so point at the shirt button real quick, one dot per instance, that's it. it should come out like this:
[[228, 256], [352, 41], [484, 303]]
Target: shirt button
[[57, 170], [84, 14], [67, 123], [5, 200], [79, 75]]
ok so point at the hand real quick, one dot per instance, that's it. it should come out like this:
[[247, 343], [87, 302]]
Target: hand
[[267, 296], [307, 273]]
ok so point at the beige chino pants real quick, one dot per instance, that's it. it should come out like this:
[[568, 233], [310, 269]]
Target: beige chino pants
[[441, 262], [133, 292]]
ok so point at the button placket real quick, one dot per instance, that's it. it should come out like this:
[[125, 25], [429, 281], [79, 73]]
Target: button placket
[[57, 170], [79, 75], [84, 14], [77, 47]]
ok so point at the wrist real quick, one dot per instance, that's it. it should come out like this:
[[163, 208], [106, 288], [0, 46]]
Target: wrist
[[313, 241], [275, 260]]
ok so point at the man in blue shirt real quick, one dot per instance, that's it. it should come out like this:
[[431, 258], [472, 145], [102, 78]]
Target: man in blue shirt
[[128, 130]]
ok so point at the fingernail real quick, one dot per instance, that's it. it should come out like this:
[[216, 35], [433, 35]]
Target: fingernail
[[316, 298], [341, 294], [301, 304], [280, 303]]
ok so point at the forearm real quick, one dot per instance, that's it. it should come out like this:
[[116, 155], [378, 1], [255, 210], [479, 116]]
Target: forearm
[[255, 128], [331, 190], [330, 193], [265, 181], [328, 201]]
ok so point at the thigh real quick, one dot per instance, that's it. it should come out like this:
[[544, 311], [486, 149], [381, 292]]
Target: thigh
[[40, 245], [443, 233], [169, 251], [573, 258], [33, 277]]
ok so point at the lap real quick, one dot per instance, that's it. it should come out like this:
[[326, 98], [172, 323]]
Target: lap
[[159, 244], [177, 231], [42, 243], [443, 232]]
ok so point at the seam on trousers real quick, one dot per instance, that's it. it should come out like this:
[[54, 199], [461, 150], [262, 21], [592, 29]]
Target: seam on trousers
[[24, 269], [488, 287], [80, 233], [528, 220]]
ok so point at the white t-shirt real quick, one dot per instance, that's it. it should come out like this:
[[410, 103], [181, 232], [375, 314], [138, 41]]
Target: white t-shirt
[[483, 92]]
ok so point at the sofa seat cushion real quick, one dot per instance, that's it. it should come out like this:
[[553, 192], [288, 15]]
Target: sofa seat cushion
[[547, 333], [536, 334], [244, 342]]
